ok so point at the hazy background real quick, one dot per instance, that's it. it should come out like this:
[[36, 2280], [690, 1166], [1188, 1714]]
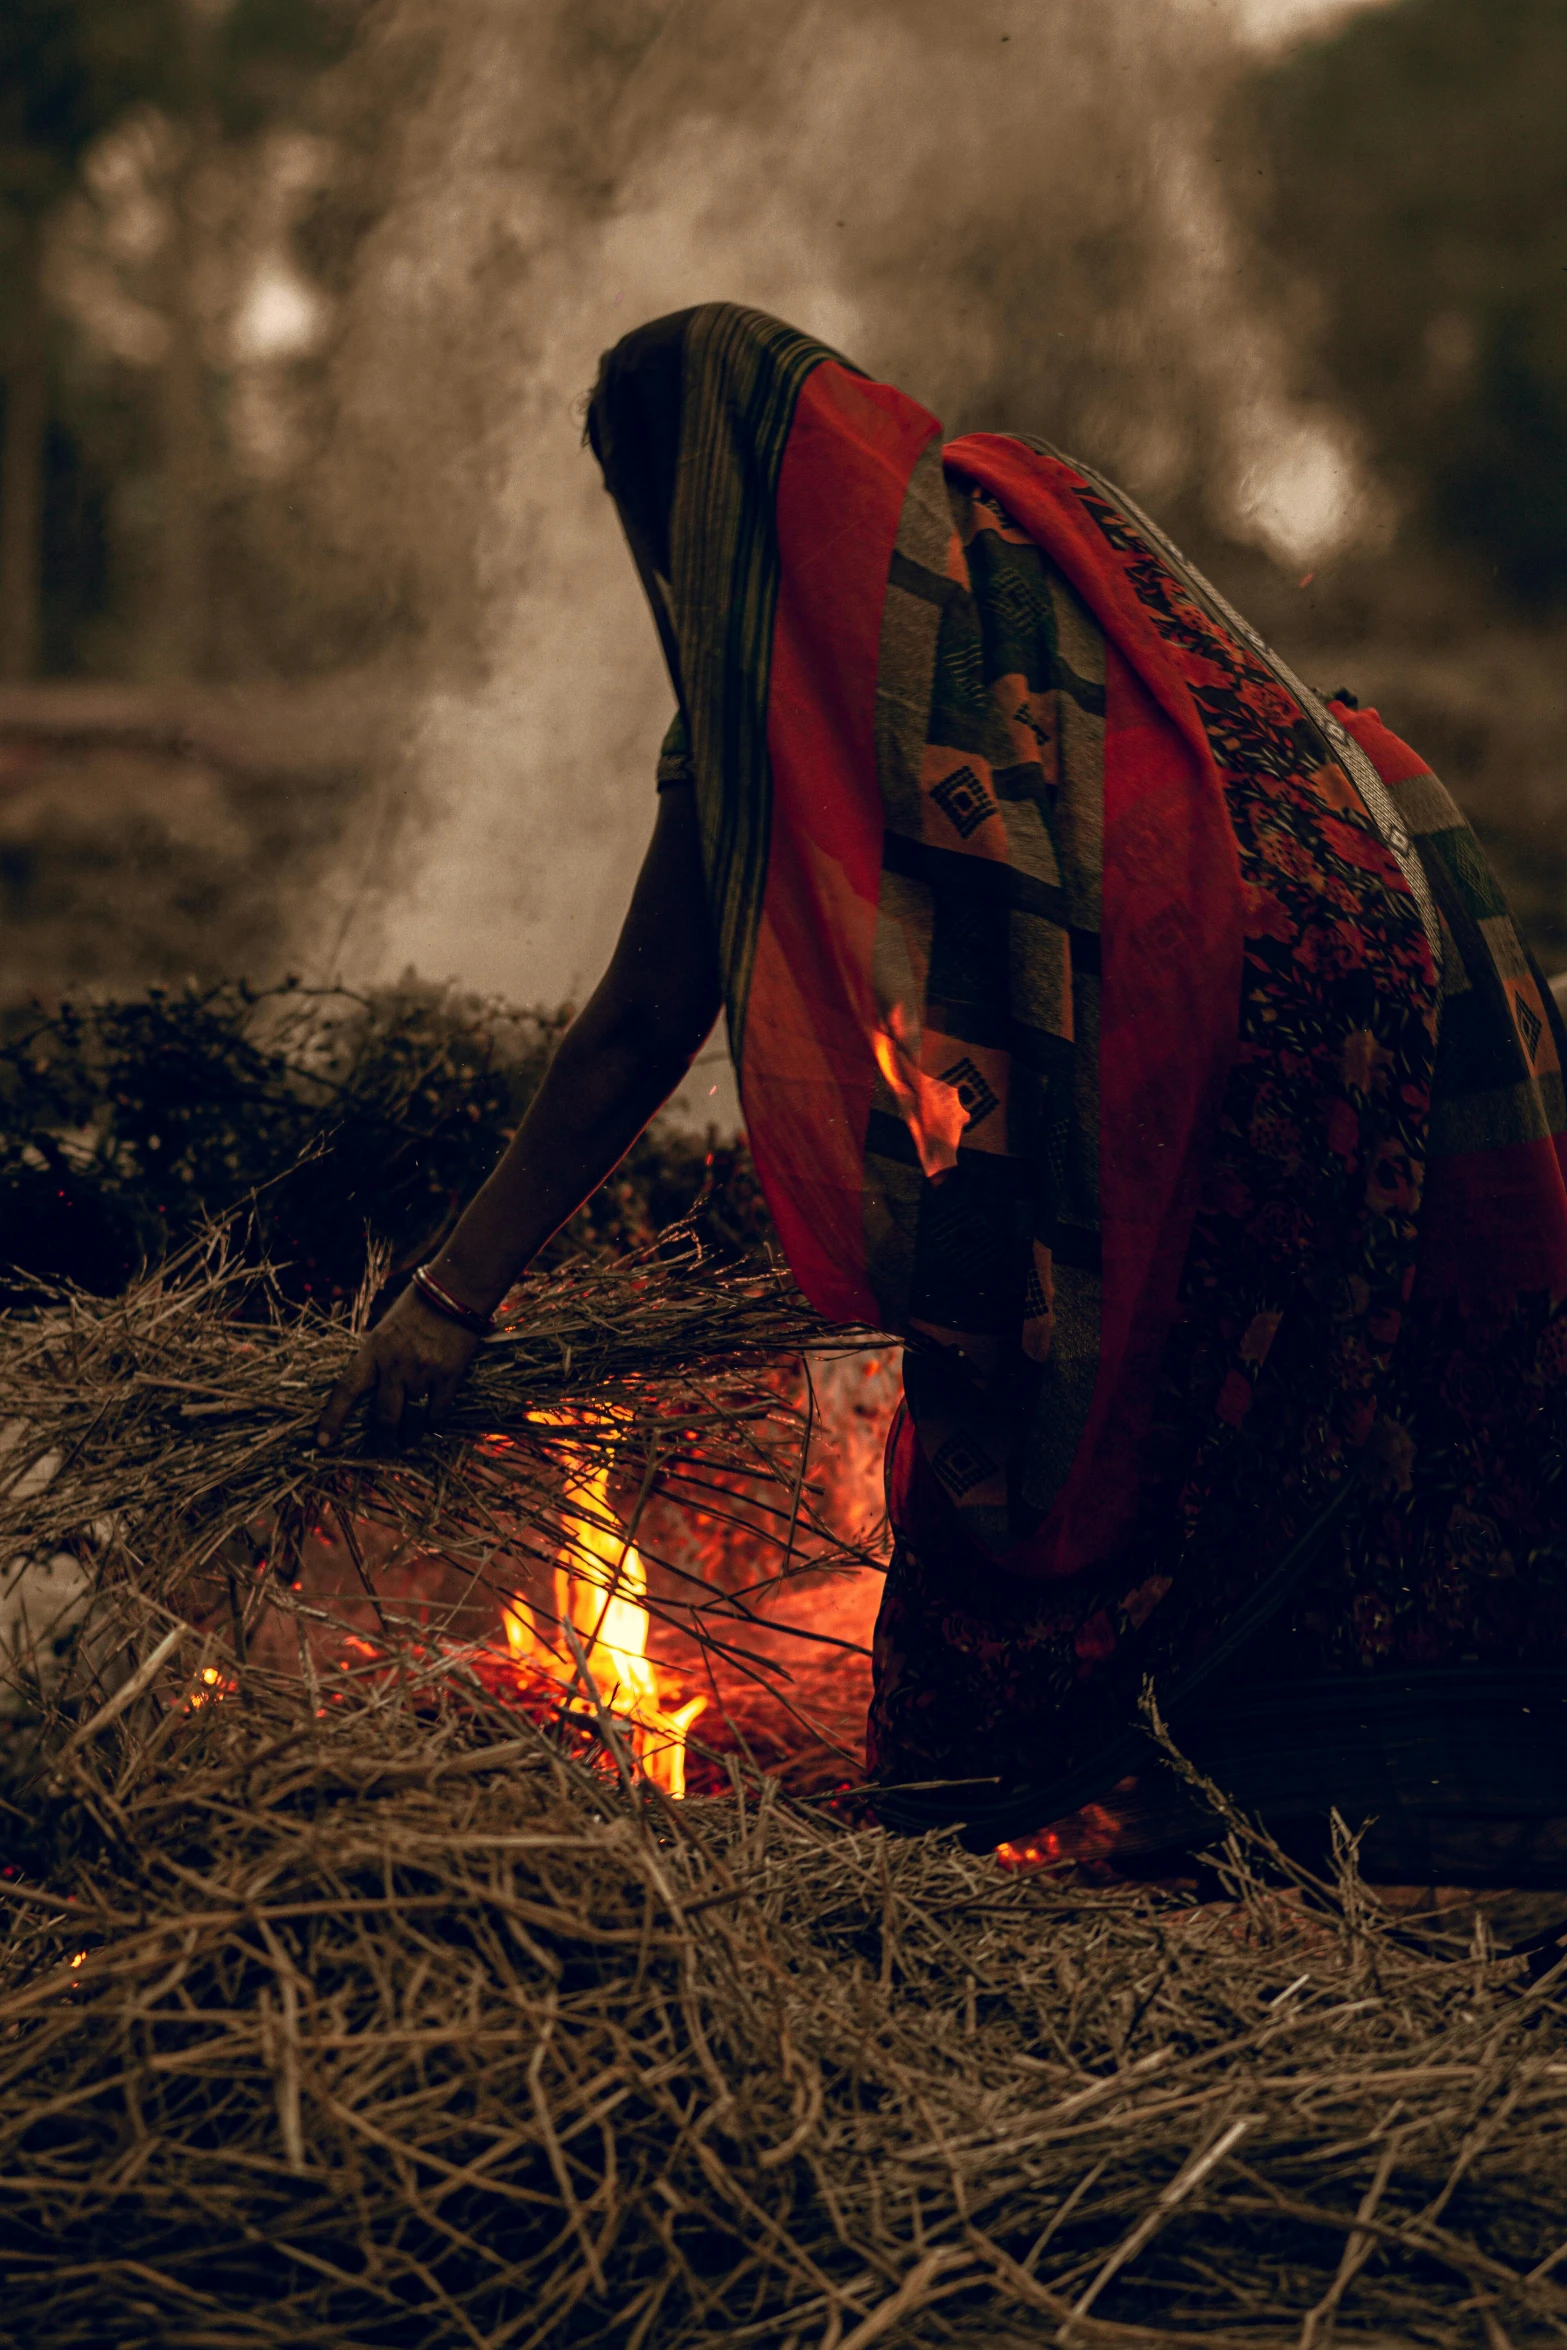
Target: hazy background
[[318, 646]]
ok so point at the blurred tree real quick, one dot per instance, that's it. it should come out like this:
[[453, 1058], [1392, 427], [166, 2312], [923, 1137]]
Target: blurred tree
[[212, 71], [1414, 169], [58, 89], [232, 70]]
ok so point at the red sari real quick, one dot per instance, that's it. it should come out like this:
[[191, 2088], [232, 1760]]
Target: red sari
[[1142, 1040]]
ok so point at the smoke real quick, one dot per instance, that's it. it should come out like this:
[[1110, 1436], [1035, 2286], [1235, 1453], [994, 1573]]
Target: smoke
[[1009, 209]]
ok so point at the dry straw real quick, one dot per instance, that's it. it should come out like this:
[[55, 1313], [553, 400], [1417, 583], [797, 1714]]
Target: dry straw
[[391, 2023], [174, 1425], [371, 2015]]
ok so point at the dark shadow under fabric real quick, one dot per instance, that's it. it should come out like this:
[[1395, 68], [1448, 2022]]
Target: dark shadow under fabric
[[1461, 1773]]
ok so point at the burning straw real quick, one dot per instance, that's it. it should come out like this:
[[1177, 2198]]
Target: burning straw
[[170, 1431]]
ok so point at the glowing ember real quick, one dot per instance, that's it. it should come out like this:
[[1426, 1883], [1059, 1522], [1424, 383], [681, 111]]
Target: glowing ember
[[1040, 1852], [1088, 1835], [601, 1594], [209, 1687]]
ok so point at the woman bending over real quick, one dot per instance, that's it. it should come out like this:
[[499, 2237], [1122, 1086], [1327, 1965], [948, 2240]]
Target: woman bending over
[[1144, 1041]]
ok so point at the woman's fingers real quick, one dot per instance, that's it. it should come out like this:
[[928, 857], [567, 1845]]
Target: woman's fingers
[[443, 1386], [386, 1413], [356, 1381], [411, 1364]]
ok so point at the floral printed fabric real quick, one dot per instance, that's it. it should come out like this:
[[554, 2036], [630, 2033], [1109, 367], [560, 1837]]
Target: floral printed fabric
[[1301, 1340]]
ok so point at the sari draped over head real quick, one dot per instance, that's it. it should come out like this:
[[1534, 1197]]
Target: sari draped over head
[[968, 740]]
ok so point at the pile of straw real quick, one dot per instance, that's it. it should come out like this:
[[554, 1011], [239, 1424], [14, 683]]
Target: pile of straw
[[389, 2023], [352, 2005]]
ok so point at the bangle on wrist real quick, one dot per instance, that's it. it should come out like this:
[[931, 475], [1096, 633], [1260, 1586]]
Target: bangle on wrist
[[451, 1309]]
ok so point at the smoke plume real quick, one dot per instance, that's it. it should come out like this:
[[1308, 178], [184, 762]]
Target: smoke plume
[[1009, 209]]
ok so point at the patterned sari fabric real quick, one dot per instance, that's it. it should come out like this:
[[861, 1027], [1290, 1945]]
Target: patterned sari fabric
[[1144, 1044]]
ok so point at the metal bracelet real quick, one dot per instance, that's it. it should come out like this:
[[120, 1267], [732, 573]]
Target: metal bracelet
[[450, 1308]]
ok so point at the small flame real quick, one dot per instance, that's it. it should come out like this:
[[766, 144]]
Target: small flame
[[601, 1592], [932, 1110], [209, 1688]]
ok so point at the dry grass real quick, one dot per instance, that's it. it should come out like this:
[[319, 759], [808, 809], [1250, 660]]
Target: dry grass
[[392, 2023], [360, 2008]]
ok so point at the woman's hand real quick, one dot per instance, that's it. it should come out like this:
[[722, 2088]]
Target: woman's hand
[[409, 1365]]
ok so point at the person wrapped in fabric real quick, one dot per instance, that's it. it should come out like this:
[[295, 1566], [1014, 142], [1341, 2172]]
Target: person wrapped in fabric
[[1145, 1042]]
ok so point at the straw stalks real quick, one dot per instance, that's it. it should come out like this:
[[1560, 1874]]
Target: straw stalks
[[387, 2022], [351, 2005]]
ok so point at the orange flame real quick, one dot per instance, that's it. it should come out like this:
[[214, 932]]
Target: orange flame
[[208, 1688], [932, 1110], [601, 1593]]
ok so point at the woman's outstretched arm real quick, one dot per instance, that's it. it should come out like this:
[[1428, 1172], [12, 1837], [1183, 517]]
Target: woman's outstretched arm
[[619, 1061]]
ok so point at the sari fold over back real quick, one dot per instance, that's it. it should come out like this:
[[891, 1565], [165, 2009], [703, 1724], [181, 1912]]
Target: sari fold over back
[[968, 738]]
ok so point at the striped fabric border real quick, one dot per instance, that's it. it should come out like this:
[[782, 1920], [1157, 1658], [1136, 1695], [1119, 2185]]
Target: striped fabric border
[[742, 380], [1499, 1046]]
